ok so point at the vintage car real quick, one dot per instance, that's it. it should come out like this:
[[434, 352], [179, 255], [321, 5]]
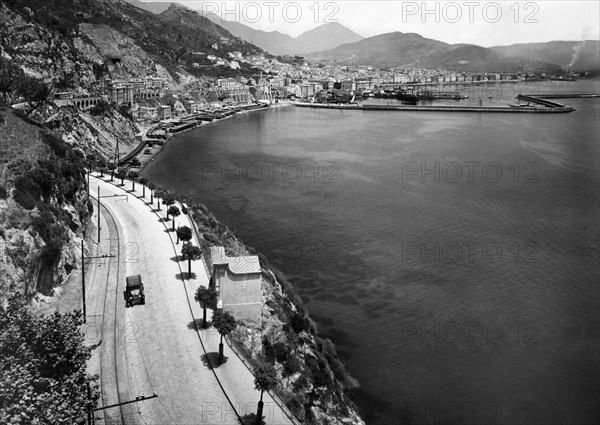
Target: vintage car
[[134, 291]]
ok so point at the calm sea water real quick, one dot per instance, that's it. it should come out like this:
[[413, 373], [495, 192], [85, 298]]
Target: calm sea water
[[452, 258]]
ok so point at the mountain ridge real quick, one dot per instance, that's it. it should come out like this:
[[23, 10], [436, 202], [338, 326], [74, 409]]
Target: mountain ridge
[[397, 49], [323, 37]]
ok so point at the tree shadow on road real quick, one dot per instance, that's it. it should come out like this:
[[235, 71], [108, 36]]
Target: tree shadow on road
[[250, 419], [195, 324], [177, 258], [212, 359], [185, 276]]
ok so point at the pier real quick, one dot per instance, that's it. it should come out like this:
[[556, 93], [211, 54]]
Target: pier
[[548, 107]]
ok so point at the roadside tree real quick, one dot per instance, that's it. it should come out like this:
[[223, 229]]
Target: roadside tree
[[184, 233], [224, 323], [207, 297], [133, 175], [174, 212], [144, 182], [121, 174], [265, 379], [190, 253]]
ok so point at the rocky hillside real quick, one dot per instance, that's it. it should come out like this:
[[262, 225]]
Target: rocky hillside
[[43, 207]]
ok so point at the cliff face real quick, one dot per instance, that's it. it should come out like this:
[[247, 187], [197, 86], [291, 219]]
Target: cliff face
[[43, 207]]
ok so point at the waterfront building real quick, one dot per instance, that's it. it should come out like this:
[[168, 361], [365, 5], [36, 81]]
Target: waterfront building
[[147, 113], [164, 112], [401, 78], [348, 85], [238, 281]]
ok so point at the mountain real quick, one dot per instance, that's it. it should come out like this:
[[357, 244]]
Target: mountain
[[579, 55], [391, 49], [117, 33], [412, 50], [323, 37]]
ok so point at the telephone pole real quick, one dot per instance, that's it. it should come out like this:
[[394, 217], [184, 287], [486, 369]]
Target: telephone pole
[[83, 280], [98, 214]]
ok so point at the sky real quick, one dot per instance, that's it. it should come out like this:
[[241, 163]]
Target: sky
[[485, 23]]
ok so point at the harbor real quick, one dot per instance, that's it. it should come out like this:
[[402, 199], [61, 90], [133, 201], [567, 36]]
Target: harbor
[[539, 106]]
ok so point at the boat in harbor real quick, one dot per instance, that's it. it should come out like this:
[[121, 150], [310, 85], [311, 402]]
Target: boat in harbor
[[521, 105], [407, 96]]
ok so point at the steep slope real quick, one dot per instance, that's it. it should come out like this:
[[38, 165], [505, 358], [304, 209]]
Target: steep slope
[[185, 18], [151, 6], [167, 42], [43, 207]]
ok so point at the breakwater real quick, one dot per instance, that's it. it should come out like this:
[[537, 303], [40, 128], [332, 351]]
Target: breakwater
[[565, 95], [559, 108]]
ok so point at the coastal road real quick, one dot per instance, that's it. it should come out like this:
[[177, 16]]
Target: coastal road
[[157, 346]]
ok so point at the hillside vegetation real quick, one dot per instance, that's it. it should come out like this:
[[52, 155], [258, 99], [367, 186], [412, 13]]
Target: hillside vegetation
[[43, 207]]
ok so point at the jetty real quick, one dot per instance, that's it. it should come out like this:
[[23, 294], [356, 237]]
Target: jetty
[[546, 107]]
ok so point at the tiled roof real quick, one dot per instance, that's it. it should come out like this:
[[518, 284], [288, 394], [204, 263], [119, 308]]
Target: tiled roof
[[237, 265]]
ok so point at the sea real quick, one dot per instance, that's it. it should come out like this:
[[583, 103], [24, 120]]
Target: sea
[[451, 257]]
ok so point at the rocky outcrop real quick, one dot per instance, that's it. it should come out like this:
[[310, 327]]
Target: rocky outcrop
[[95, 135]]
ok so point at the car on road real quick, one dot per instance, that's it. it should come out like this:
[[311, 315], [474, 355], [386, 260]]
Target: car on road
[[134, 291]]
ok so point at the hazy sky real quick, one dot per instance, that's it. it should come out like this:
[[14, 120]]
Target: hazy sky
[[486, 23]]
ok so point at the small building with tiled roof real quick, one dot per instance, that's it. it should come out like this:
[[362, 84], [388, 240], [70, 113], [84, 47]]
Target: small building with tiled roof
[[238, 282]]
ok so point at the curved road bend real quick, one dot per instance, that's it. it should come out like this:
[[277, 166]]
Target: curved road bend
[[161, 347]]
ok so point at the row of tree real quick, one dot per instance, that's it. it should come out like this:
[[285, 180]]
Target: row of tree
[[223, 321]]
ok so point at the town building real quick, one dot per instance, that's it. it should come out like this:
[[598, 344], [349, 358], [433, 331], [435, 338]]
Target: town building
[[238, 280]]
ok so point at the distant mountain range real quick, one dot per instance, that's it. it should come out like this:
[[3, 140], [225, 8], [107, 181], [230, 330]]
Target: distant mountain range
[[324, 37], [335, 43], [413, 50]]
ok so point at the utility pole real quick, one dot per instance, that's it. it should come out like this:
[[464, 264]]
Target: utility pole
[[98, 214], [83, 280], [117, 155], [88, 178]]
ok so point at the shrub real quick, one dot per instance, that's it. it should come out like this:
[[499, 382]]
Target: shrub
[[27, 185], [55, 143], [3, 192], [100, 108], [24, 199]]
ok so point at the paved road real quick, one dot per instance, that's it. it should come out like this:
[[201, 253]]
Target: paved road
[[158, 346]]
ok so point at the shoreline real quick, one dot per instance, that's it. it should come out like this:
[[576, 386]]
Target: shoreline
[[145, 159]]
